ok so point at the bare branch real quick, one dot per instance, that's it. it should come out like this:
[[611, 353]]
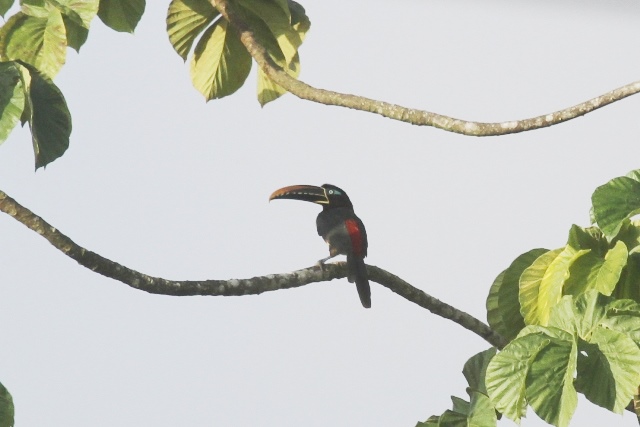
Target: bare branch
[[404, 114], [235, 287]]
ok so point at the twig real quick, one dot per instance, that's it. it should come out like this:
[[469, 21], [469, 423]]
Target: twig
[[404, 114], [235, 287]]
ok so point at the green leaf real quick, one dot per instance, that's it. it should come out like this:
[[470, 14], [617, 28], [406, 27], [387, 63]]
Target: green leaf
[[299, 20], [623, 316], [284, 5], [503, 305], [554, 279], [431, 422], [609, 364], [220, 64], [588, 238], [579, 316], [629, 285], [507, 374], [475, 369], [549, 382], [281, 35], [185, 21], [278, 22], [460, 406], [76, 34], [6, 408], [634, 174], [12, 98], [630, 235], [269, 91], [49, 117], [609, 274], [614, 202], [481, 413], [591, 271], [121, 15], [583, 274], [477, 413], [452, 419], [35, 8], [5, 5], [530, 282], [81, 12], [609, 371], [40, 42]]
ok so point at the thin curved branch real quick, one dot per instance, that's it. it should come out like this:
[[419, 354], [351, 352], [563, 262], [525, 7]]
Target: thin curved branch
[[235, 287], [404, 114]]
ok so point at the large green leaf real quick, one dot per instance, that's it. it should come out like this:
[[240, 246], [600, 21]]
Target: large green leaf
[[535, 368], [609, 274], [6, 408], [121, 15], [48, 116], [530, 282], [40, 42], [220, 63], [549, 382], [616, 201], [554, 279], [507, 374], [592, 271], [606, 332], [12, 98], [609, 365], [503, 305], [609, 371], [186, 19], [583, 274]]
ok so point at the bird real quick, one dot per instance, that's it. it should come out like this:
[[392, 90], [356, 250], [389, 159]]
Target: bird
[[339, 226]]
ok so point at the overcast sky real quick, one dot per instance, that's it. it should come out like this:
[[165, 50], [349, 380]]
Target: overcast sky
[[163, 183]]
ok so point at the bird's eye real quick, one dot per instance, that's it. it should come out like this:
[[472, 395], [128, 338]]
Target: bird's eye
[[330, 191]]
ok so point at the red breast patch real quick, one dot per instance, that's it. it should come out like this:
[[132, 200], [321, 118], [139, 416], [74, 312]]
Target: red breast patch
[[356, 236]]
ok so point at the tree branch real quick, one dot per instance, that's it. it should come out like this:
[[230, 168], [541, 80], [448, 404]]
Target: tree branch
[[235, 287], [404, 114]]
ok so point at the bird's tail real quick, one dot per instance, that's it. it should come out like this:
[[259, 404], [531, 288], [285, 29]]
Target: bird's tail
[[358, 274]]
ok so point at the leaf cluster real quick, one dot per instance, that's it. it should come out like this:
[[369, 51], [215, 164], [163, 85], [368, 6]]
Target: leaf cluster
[[37, 37], [572, 316], [33, 48], [220, 63]]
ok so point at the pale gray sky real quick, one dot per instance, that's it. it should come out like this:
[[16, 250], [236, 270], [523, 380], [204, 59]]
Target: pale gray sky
[[160, 181]]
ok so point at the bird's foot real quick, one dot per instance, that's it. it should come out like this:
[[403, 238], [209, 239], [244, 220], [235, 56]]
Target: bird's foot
[[320, 263]]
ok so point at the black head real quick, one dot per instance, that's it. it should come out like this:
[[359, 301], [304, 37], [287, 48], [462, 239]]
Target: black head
[[336, 196]]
